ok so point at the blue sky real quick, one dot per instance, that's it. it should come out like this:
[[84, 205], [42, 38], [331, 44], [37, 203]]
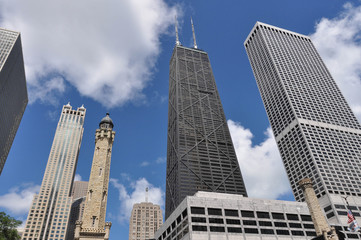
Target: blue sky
[[113, 57]]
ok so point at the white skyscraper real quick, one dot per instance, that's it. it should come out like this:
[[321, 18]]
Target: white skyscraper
[[49, 213], [317, 134]]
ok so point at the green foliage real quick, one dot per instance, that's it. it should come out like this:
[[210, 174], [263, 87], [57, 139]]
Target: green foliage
[[8, 227]]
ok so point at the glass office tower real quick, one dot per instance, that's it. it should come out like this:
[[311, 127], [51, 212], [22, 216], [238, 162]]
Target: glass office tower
[[200, 152]]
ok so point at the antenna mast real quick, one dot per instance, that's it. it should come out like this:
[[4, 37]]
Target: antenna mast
[[177, 42], [194, 35], [146, 194]]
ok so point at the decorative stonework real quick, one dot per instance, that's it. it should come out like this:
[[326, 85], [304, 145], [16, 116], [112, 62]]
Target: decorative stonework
[[93, 225]]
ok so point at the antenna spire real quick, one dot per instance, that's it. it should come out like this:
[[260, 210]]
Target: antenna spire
[[146, 194], [194, 35], [177, 42]]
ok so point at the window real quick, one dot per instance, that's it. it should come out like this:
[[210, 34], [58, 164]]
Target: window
[[216, 229], [263, 214], [249, 222], [93, 222], [199, 228], [197, 219], [197, 210], [234, 230], [280, 224], [233, 221], [278, 216], [267, 231], [215, 220], [251, 230], [247, 214], [229, 212], [264, 223], [297, 233], [306, 218], [309, 226], [295, 225], [215, 211], [282, 232], [292, 216]]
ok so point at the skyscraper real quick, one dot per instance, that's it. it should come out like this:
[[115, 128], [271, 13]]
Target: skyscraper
[[200, 152], [317, 134], [145, 220], [13, 93], [49, 212], [93, 223]]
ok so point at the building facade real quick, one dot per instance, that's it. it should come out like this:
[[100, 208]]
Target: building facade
[[13, 92], [145, 220], [219, 216], [200, 152], [93, 225], [317, 134], [78, 193], [49, 213]]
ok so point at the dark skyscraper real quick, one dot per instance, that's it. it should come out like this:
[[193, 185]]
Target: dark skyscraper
[[200, 152], [316, 132], [13, 93]]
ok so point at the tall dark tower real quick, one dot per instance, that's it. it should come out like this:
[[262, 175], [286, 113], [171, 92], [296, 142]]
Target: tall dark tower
[[200, 152]]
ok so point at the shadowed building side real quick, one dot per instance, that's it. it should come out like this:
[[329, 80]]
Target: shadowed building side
[[13, 92]]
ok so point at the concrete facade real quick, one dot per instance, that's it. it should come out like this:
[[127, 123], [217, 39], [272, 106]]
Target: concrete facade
[[219, 216], [93, 225], [13, 91], [49, 213], [145, 220]]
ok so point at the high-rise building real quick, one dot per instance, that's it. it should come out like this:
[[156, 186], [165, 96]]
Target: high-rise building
[[317, 134], [13, 92], [78, 193], [49, 212], [145, 220], [93, 223], [200, 152]]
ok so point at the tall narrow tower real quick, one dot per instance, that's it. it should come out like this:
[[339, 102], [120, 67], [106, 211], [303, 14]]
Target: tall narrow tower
[[49, 212], [93, 222], [200, 152], [13, 93], [316, 132]]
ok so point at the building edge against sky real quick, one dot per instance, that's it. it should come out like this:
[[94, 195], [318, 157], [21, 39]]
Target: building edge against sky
[[49, 213], [13, 90], [317, 134], [200, 152]]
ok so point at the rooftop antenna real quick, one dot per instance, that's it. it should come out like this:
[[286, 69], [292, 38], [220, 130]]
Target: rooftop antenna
[[177, 42], [146, 194], [194, 35]]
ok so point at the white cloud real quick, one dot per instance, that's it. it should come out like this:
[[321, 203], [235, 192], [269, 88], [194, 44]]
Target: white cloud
[[261, 165], [161, 160], [106, 49], [77, 177], [338, 41], [18, 199], [144, 164], [136, 195]]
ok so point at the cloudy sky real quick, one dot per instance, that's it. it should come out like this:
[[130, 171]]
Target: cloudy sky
[[113, 56]]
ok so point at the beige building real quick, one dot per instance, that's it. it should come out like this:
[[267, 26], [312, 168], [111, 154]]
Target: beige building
[[93, 225], [145, 220], [50, 209]]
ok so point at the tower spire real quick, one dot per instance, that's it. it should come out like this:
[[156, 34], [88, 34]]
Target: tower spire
[[177, 42], [194, 35], [146, 194]]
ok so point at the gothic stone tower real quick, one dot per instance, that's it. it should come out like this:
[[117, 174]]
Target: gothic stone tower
[[93, 225]]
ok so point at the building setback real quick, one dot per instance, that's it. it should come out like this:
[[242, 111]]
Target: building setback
[[200, 152], [49, 213], [13, 92], [317, 134], [145, 220]]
